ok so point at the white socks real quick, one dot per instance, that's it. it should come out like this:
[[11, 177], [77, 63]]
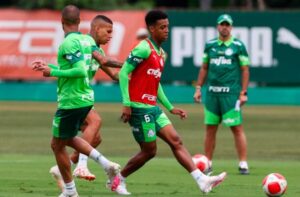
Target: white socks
[[197, 175], [82, 160], [243, 165], [99, 158], [70, 188]]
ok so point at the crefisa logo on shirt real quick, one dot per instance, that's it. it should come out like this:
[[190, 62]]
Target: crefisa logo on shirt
[[155, 72]]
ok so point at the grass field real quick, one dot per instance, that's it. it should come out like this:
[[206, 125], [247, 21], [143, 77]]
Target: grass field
[[273, 139]]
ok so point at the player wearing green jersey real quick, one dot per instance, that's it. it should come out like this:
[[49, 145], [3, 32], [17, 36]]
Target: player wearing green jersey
[[100, 34], [140, 93], [226, 73], [75, 99]]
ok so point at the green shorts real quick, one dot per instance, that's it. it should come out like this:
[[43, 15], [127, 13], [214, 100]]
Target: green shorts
[[223, 108], [67, 122], [146, 122]]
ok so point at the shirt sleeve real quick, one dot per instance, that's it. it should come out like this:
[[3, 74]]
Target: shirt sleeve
[[77, 71], [163, 98], [243, 56], [141, 52], [205, 58], [127, 68]]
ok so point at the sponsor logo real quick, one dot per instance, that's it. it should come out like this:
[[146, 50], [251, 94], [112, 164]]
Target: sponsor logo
[[151, 133], [218, 89], [228, 120], [88, 96], [228, 52], [54, 123], [135, 59], [189, 42], [285, 36], [220, 60], [155, 72], [149, 97]]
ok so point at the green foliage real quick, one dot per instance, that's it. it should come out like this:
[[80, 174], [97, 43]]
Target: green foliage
[[84, 4]]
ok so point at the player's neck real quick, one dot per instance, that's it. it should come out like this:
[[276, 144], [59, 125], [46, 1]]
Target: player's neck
[[224, 39], [71, 28]]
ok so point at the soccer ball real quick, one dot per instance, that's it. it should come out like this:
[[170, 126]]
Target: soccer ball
[[274, 184], [201, 162]]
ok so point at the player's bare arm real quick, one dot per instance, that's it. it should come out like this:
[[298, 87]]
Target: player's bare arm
[[107, 61], [114, 75], [245, 81], [201, 79], [180, 112]]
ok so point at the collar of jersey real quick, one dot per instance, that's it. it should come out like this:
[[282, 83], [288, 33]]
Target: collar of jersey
[[75, 32], [226, 43], [155, 45]]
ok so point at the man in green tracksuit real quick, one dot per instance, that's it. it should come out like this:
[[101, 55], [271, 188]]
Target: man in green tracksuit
[[225, 70], [140, 93]]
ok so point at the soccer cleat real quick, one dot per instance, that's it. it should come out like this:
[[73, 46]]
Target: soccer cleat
[[244, 171], [209, 171], [54, 171], [209, 182], [111, 171], [119, 186], [83, 172], [66, 195]]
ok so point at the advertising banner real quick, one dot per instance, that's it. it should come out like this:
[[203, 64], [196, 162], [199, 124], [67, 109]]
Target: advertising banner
[[29, 35], [272, 40]]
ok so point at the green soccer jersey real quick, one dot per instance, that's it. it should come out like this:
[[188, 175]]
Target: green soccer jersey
[[94, 65], [224, 60], [74, 60], [139, 54]]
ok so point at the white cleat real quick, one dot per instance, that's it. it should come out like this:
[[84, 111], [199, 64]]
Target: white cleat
[[111, 171], [209, 182], [83, 172], [54, 171], [119, 186], [66, 195]]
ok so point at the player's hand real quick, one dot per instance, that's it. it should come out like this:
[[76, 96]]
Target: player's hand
[[180, 112], [197, 96], [243, 99], [126, 114], [40, 65]]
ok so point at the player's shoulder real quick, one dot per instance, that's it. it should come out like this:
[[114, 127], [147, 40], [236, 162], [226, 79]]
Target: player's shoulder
[[71, 39], [142, 49], [211, 42], [237, 42]]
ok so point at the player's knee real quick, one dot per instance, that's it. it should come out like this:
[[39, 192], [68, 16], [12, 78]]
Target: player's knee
[[176, 142]]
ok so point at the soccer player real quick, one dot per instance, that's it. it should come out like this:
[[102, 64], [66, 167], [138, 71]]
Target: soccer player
[[225, 70], [100, 34], [75, 99], [140, 93]]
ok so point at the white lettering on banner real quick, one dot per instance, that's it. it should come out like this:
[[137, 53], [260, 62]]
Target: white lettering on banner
[[49, 30], [188, 42]]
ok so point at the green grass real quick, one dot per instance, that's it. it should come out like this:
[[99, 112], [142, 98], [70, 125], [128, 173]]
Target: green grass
[[273, 139]]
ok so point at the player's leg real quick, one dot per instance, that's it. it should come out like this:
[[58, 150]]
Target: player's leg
[[143, 129], [212, 118], [205, 183], [233, 119], [210, 142], [241, 147], [91, 133], [64, 129]]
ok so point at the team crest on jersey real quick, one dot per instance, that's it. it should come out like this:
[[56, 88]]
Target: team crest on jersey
[[228, 52]]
